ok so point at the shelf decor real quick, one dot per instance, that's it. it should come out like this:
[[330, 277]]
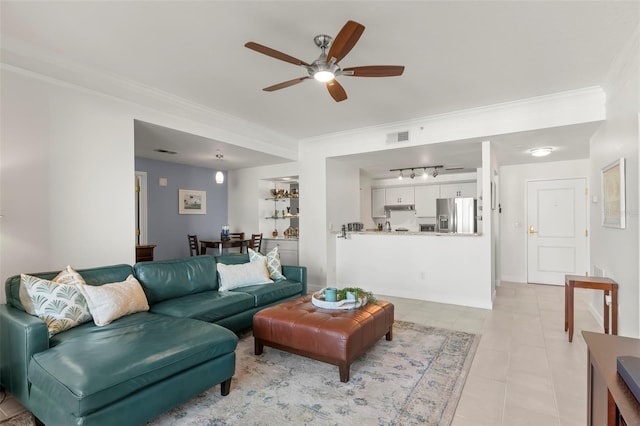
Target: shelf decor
[[613, 195], [192, 202]]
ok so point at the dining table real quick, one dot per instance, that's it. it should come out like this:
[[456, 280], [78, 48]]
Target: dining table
[[223, 244]]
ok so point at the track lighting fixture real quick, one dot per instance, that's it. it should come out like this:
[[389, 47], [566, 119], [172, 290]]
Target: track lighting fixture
[[425, 172]]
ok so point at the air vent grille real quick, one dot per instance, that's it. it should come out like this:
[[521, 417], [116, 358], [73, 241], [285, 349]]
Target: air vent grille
[[398, 137]]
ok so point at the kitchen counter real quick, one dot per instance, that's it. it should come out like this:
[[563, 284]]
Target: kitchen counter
[[443, 268], [280, 238], [405, 233]]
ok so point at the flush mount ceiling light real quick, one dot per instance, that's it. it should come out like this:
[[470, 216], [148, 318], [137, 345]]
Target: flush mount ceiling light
[[541, 152], [219, 174]]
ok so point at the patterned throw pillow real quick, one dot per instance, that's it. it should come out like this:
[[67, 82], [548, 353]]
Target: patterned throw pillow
[[273, 262], [57, 302], [108, 302]]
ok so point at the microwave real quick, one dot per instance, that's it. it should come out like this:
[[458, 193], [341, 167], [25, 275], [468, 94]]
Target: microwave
[[427, 227]]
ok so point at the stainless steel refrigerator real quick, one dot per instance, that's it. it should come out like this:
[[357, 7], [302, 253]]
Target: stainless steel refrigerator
[[457, 215]]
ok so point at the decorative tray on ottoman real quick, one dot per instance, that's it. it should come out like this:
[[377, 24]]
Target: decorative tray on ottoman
[[317, 299]]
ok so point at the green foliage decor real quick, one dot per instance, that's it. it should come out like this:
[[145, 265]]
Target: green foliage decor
[[359, 293]]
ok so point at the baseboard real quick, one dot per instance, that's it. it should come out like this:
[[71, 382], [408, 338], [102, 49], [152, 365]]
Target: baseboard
[[596, 315]]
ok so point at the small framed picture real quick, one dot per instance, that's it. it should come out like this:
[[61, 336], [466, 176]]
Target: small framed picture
[[613, 195], [192, 202]]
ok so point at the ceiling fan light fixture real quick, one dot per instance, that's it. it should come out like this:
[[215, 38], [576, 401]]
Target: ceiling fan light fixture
[[541, 152], [324, 76]]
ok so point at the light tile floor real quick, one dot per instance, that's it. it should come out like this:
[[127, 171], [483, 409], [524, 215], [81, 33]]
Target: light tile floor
[[525, 372]]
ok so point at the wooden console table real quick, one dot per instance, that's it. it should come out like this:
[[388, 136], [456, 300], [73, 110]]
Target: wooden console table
[[144, 253], [595, 283], [609, 400]]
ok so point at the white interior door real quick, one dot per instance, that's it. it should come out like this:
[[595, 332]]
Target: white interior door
[[557, 230]]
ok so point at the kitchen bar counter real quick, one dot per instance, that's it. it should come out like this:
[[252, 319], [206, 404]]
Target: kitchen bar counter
[[405, 233], [444, 268]]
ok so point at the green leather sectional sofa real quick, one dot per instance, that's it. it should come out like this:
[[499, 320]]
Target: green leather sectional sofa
[[143, 364]]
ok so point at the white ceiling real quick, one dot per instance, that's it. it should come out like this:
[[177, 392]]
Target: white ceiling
[[458, 55]]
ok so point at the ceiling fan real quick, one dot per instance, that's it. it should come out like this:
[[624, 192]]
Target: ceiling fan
[[326, 67]]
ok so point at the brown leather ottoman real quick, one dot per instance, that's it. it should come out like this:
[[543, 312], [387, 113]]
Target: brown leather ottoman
[[337, 337]]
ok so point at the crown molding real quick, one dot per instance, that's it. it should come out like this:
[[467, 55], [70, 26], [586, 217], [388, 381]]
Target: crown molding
[[585, 105], [22, 58]]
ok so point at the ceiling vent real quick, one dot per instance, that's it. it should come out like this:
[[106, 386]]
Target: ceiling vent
[[398, 137]]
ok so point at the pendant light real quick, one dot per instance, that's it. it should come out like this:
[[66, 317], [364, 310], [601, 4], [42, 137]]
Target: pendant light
[[219, 174]]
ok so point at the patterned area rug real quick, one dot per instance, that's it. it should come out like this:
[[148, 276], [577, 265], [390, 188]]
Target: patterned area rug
[[415, 379]]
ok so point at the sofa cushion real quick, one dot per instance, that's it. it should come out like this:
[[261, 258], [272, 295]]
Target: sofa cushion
[[60, 305], [266, 294], [111, 301], [91, 367], [209, 306], [168, 279], [235, 276]]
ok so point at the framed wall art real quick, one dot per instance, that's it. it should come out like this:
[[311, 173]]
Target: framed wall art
[[613, 195], [192, 202]]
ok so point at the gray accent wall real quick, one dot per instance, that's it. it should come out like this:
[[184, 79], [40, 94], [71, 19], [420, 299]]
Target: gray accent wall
[[165, 227]]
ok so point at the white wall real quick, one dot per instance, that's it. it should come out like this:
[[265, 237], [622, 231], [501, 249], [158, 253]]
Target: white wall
[[67, 178], [555, 110], [67, 172], [513, 194], [248, 189], [616, 250]]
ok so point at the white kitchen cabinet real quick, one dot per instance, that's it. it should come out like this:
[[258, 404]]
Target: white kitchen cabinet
[[397, 196], [425, 197], [466, 189], [287, 248], [377, 203]]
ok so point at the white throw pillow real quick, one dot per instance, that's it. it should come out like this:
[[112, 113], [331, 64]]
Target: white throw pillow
[[58, 302], [108, 302], [273, 262], [242, 275]]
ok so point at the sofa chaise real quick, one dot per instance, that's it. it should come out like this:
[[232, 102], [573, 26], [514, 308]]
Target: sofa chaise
[[142, 364]]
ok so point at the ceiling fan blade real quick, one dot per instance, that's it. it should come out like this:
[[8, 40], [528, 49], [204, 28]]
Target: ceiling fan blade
[[285, 84], [345, 40], [374, 71], [274, 53], [336, 90]]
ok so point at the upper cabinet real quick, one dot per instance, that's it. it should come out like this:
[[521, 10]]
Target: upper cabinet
[[451, 190], [398, 196], [377, 203], [426, 200]]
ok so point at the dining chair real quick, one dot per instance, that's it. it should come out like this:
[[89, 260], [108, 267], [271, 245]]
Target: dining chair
[[194, 247], [256, 242], [236, 239]]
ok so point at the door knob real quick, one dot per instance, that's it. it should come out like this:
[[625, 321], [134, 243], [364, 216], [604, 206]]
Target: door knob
[[531, 231]]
